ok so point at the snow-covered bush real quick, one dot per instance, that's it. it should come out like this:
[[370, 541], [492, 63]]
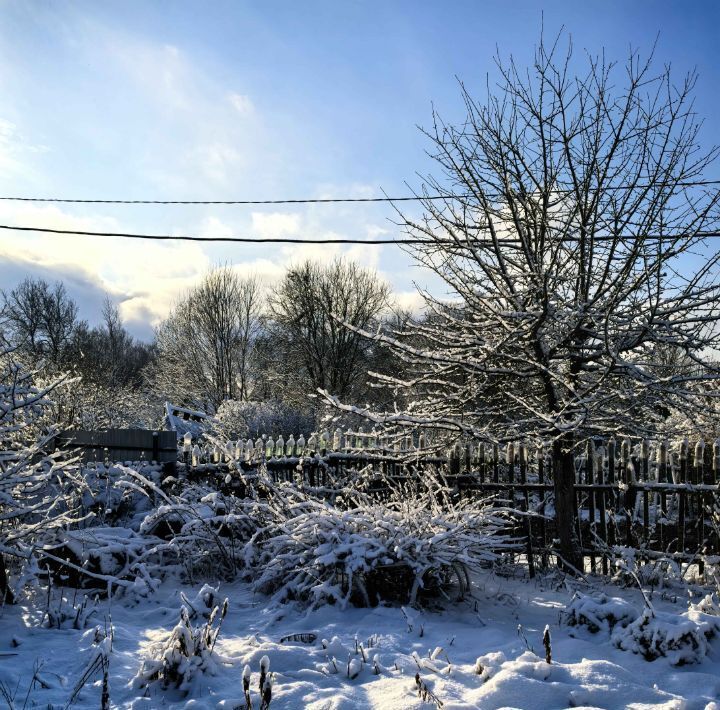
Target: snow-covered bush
[[488, 665], [106, 550], [236, 419], [61, 610], [317, 553], [654, 634], [92, 405], [111, 493], [203, 603], [99, 662], [187, 654], [599, 613], [95, 557], [632, 569], [683, 637], [294, 545], [205, 529], [708, 605]]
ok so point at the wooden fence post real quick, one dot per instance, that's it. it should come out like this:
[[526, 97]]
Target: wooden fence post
[[455, 456], [187, 447], [522, 456], [629, 502], [510, 461], [543, 522], [662, 457], [613, 497], [602, 509], [700, 479], [683, 456], [590, 479]]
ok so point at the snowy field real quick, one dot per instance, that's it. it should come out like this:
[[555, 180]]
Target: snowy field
[[487, 653]]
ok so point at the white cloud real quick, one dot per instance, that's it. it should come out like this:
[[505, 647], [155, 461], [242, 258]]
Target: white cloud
[[241, 103], [15, 148], [201, 135], [161, 71], [216, 160], [214, 227], [145, 276], [271, 225], [410, 301]]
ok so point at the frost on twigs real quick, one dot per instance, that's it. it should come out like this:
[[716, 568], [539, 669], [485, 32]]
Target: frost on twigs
[[707, 606], [187, 654], [99, 662], [424, 692], [660, 573], [62, 612], [39, 491], [572, 303]]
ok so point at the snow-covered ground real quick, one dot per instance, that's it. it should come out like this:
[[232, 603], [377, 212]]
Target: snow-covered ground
[[587, 669]]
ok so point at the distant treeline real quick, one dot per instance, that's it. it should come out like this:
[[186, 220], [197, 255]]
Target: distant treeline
[[231, 337]]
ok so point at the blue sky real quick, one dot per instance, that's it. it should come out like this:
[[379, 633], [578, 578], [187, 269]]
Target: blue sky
[[259, 100]]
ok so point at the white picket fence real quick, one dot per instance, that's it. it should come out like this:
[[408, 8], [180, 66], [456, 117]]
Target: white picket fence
[[265, 448]]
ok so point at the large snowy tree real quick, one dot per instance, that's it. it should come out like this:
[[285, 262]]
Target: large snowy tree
[[570, 230], [40, 319], [309, 348], [37, 489], [204, 346]]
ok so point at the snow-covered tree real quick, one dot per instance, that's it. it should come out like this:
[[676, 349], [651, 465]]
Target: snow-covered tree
[[32, 485], [204, 346], [242, 419], [570, 233], [92, 405], [308, 348], [107, 354], [40, 319]]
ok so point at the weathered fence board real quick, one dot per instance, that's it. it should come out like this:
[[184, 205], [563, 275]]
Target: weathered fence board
[[120, 444]]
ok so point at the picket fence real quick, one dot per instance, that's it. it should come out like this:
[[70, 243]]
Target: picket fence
[[657, 499], [263, 447]]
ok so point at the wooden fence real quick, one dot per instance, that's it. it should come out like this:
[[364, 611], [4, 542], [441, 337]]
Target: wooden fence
[[120, 445], [659, 500]]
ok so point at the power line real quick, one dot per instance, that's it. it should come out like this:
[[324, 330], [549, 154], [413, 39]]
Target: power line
[[187, 238], [323, 200], [287, 240]]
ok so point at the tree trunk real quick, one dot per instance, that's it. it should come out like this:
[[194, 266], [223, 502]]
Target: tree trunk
[[565, 511], [6, 595]]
